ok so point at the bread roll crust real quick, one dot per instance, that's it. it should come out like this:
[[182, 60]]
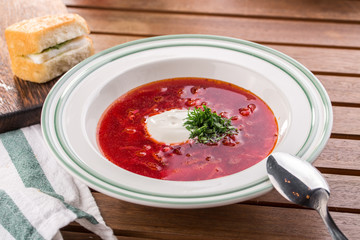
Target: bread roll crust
[[26, 69], [34, 35]]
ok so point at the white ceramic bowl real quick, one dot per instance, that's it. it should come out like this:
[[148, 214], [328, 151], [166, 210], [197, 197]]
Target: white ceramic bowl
[[73, 108]]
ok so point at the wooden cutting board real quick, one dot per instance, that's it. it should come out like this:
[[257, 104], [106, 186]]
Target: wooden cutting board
[[21, 101]]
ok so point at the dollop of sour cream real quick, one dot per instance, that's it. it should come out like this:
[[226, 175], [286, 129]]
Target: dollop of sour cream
[[168, 127]]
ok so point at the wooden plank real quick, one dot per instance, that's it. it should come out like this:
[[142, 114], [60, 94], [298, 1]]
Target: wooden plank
[[340, 154], [304, 9], [341, 89], [227, 222], [72, 235], [254, 29], [79, 235], [343, 194], [21, 101], [105, 41], [324, 60], [346, 120]]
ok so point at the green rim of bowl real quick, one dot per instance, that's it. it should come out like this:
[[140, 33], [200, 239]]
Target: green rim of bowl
[[99, 185]]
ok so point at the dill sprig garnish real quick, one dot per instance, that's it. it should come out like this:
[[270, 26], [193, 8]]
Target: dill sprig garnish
[[207, 127]]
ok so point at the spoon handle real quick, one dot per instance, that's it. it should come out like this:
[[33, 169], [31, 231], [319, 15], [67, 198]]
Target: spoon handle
[[335, 232], [323, 210]]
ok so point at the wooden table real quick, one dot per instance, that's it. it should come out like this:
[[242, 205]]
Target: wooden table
[[323, 35]]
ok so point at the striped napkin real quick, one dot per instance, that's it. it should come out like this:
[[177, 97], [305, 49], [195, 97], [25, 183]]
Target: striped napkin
[[37, 196]]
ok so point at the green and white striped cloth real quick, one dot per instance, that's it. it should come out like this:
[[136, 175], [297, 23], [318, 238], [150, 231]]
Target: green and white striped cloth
[[37, 196]]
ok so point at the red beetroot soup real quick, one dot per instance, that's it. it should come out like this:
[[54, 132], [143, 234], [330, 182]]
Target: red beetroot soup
[[124, 140]]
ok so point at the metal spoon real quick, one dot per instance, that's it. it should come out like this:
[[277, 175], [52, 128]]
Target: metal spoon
[[301, 183]]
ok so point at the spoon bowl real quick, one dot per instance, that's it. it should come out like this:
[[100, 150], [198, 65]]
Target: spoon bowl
[[301, 183]]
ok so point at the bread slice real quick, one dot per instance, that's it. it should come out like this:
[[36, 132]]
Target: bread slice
[[26, 69], [35, 35], [45, 37]]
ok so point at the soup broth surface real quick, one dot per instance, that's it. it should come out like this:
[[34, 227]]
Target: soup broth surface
[[124, 140]]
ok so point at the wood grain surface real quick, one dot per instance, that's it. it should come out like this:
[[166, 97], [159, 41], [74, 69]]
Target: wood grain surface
[[294, 9], [238, 221], [254, 29], [322, 35]]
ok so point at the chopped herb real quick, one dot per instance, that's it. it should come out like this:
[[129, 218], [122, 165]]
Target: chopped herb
[[57, 46], [206, 126]]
